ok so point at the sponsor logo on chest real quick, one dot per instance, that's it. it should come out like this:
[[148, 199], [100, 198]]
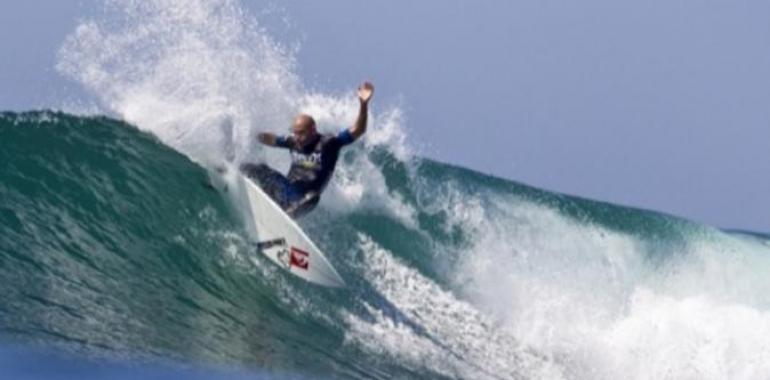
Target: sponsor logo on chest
[[311, 161]]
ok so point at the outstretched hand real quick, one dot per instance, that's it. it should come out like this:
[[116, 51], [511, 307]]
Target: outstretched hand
[[266, 138], [365, 91]]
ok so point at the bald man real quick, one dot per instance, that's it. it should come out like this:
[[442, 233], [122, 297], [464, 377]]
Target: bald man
[[313, 158]]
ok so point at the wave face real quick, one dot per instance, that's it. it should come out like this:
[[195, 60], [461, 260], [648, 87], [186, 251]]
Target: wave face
[[112, 244]]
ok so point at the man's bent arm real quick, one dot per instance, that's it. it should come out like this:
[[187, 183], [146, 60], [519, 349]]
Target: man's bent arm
[[359, 128]]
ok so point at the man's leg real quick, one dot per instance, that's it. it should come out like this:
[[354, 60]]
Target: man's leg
[[272, 182], [304, 205]]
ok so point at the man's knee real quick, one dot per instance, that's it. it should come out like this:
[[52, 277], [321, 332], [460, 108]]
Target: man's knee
[[254, 170]]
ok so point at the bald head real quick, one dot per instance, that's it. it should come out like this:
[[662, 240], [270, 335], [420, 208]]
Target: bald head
[[303, 129], [304, 121]]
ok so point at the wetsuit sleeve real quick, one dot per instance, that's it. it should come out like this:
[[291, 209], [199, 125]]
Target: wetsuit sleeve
[[345, 137], [283, 142]]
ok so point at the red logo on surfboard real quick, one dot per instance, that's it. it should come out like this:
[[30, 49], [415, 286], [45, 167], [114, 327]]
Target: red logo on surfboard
[[299, 258]]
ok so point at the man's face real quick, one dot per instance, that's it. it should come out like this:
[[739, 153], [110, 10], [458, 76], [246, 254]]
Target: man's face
[[303, 130]]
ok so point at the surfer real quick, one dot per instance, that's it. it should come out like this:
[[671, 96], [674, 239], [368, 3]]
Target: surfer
[[313, 158]]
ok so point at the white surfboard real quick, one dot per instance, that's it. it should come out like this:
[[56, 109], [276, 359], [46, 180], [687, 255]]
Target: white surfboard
[[284, 243]]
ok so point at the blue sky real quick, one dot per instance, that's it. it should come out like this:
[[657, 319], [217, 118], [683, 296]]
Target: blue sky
[[656, 104]]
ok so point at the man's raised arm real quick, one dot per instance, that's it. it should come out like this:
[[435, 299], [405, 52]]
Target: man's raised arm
[[365, 92]]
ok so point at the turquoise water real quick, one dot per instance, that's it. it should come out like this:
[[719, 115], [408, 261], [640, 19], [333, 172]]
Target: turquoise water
[[113, 247]]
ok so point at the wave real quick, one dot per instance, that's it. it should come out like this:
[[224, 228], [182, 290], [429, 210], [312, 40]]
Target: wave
[[111, 243]]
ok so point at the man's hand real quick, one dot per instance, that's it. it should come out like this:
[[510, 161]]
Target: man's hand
[[266, 138], [365, 91]]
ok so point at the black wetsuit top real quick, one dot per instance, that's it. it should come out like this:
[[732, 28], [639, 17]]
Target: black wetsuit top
[[312, 165]]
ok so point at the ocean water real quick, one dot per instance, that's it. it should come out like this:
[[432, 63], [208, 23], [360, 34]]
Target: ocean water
[[114, 248]]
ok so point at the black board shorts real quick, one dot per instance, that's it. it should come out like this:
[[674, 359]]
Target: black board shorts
[[292, 199]]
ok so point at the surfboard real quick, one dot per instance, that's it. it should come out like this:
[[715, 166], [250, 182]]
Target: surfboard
[[283, 241]]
